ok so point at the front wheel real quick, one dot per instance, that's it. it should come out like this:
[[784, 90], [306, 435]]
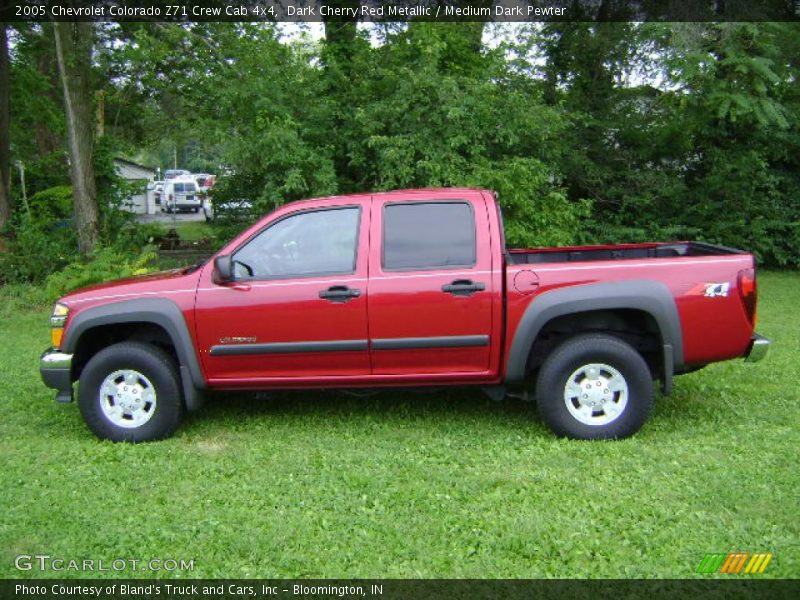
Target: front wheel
[[131, 392], [593, 387]]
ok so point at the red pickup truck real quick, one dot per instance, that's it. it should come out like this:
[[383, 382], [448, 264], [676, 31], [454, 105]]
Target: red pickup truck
[[404, 288]]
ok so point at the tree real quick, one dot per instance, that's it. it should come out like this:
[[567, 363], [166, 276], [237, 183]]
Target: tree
[[74, 55], [736, 79], [5, 122], [37, 128]]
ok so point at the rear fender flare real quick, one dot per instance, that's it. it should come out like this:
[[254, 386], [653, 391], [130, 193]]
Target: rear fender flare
[[651, 297]]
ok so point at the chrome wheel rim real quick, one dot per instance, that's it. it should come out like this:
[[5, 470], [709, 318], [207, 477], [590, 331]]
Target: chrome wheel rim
[[596, 394], [127, 398]]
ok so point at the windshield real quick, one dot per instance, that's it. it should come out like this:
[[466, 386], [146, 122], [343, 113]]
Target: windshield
[[184, 188]]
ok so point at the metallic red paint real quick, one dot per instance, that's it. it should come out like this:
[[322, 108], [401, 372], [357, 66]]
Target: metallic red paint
[[411, 305]]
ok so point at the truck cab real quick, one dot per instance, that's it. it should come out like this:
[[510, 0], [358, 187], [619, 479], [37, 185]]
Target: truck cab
[[321, 300]]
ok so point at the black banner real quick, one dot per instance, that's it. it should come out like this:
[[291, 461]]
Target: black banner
[[398, 589], [400, 10]]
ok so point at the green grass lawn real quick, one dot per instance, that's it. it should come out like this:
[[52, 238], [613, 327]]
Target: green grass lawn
[[189, 231], [192, 231], [413, 485]]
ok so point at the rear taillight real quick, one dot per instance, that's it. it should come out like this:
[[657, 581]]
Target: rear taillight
[[748, 291]]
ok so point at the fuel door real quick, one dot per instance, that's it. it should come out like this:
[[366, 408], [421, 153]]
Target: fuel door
[[526, 282]]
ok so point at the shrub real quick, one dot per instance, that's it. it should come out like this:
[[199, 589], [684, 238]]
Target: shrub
[[105, 264], [36, 251], [536, 211], [52, 204]]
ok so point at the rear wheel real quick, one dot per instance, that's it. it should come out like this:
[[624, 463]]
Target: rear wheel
[[131, 392], [594, 386]]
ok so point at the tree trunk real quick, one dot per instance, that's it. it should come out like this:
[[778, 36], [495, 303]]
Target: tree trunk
[[5, 122], [74, 55]]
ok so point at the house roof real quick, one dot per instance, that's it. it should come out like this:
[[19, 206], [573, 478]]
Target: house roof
[[133, 164]]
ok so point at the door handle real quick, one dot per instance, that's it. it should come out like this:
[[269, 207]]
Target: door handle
[[463, 287], [339, 293]]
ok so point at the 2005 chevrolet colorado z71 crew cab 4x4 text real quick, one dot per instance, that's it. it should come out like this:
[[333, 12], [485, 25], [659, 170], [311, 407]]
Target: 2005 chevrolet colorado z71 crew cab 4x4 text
[[405, 288]]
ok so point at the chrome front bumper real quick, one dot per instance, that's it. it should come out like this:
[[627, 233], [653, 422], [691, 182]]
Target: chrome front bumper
[[56, 370], [758, 348]]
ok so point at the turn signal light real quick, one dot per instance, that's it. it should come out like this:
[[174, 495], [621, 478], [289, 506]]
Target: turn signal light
[[57, 320]]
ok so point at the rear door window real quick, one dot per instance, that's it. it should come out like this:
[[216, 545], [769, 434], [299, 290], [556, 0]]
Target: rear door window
[[428, 235]]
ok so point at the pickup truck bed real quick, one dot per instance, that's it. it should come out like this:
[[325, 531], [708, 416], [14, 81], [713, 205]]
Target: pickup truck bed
[[406, 288], [617, 252]]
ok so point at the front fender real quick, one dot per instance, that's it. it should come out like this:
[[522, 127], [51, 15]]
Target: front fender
[[159, 311]]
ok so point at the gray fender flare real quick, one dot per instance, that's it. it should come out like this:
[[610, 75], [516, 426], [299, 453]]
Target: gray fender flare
[[651, 297], [158, 311]]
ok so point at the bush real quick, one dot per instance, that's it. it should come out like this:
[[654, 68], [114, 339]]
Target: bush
[[536, 211], [51, 205], [42, 249], [132, 238], [42, 239], [112, 192], [105, 264]]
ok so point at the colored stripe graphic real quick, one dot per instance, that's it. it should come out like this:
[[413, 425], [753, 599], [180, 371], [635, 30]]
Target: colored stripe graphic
[[734, 563], [711, 563], [728, 562]]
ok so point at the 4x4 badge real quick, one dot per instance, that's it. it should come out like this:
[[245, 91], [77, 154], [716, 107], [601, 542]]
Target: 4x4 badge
[[717, 289]]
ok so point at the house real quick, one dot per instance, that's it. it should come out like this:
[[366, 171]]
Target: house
[[140, 178]]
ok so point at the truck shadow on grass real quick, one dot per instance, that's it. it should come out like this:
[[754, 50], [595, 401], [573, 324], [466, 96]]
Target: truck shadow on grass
[[411, 404], [686, 410], [691, 409]]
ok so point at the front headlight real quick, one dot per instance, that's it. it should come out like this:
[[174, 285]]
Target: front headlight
[[57, 320]]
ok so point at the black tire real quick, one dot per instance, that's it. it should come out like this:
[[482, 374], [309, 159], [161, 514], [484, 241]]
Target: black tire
[[589, 350], [158, 370], [196, 210]]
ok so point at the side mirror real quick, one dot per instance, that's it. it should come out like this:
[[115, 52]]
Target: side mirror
[[223, 269]]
